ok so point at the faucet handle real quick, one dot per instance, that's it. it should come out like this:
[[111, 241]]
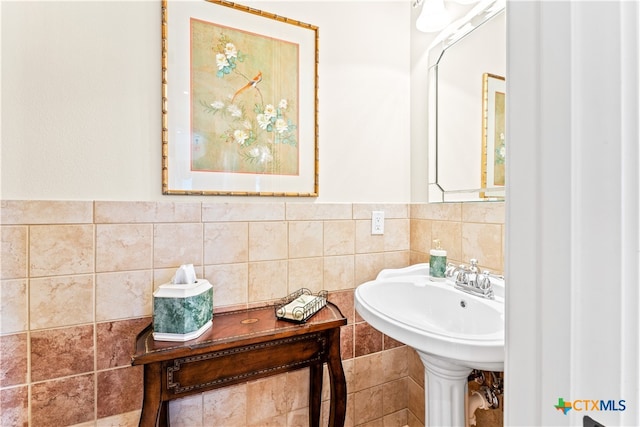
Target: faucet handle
[[450, 270], [484, 282], [458, 274]]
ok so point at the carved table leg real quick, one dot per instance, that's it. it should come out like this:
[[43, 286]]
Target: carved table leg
[[153, 409], [315, 394], [338, 382]]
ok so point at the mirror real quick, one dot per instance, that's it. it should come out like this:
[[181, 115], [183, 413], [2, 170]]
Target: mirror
[[467, 65]]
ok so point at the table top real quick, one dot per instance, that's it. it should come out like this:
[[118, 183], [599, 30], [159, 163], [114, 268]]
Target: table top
[[233, 329]]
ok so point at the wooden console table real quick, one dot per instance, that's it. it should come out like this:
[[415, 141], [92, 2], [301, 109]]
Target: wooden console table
[[241, 346]]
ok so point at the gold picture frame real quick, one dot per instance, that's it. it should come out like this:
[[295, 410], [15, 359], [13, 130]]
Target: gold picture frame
[[239, 101], [493, 136]]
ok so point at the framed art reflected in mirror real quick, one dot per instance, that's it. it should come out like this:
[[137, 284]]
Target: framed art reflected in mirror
[[493, 135]]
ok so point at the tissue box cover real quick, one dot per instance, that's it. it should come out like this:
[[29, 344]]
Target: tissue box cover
[[182, 312]]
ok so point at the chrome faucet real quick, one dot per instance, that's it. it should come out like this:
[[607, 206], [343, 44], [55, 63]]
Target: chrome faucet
[[470, 280]]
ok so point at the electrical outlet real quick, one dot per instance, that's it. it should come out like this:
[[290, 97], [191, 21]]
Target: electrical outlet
[[377, 222]]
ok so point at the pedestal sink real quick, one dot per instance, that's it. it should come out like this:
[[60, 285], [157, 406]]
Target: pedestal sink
[[453, 332]]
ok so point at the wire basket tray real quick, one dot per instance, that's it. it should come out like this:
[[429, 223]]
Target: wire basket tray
[[300, 305]]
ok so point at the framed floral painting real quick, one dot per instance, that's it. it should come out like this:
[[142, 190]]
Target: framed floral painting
[[493, 136], [239, 101]]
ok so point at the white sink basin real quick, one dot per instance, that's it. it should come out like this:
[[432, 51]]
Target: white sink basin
[[436, 318], [452, 331]]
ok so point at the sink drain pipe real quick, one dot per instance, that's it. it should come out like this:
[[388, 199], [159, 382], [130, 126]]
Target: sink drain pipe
[[484, 398], [481, 399]]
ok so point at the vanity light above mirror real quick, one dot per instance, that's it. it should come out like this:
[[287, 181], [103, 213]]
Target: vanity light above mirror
[[435, 16]]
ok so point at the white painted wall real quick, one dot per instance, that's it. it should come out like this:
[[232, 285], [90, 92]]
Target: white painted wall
[[573, 256], [81, 99]]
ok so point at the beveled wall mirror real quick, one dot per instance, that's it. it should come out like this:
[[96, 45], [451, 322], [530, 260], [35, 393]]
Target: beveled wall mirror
[[467, 138]]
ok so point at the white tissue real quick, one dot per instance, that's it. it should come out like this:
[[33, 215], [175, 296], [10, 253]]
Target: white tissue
[[295, 309], [186, 274]]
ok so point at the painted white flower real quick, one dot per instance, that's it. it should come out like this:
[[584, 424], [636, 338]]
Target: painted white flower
[[262, 153], [266, 154], [240, 136], [269, 111], [230, 50], [246, 124], [263, 121], [501, 136], [283, 104], [217, 105], [503, 152], [234, 110], [281, 126], [221, 61]]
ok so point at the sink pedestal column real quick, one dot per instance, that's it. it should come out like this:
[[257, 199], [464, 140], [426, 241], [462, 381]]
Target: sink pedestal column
[[445, 391]]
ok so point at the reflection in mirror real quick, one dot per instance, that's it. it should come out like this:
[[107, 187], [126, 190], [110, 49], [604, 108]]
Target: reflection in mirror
[[467, 64], [492, 162]]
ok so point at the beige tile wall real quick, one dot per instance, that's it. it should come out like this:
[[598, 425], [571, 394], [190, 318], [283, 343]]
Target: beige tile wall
[[77, 280], [466, 230]]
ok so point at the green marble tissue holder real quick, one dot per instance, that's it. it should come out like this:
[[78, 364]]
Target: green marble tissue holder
[[182, 312]]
